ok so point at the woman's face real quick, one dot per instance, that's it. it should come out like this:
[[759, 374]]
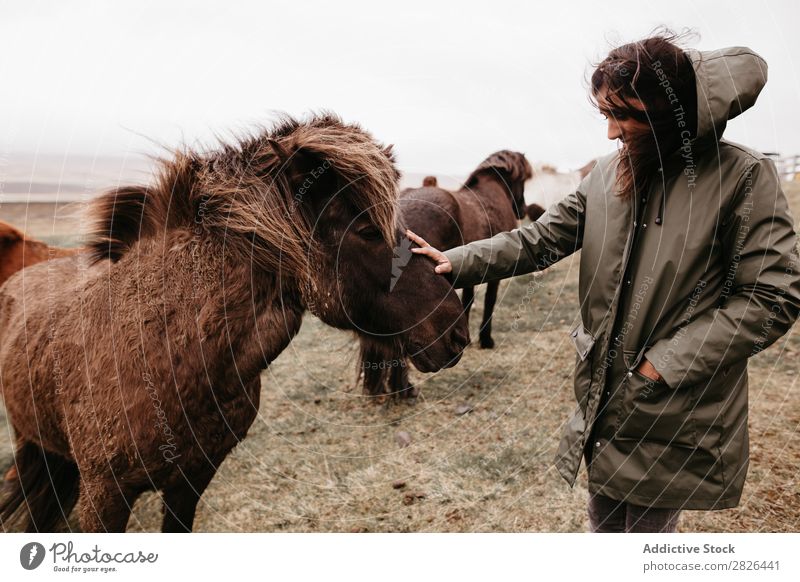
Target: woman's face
[[621, 126]]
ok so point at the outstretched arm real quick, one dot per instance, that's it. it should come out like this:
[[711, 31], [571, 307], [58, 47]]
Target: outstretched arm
[[533, 247]]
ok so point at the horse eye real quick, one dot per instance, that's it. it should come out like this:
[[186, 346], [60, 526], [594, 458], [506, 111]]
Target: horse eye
[[369, 233]]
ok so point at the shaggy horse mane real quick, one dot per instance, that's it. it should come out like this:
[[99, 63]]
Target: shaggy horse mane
[[242, 191], [513, 164]]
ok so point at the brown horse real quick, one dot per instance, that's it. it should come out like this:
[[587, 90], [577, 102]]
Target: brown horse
[[534, 211], [490, 201], [18, 251], [136, 366]]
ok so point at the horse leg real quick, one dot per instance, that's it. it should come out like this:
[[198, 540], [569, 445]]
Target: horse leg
[[467, 297], [485, 333], [104, 505], [11, 472], [41, 491], [180, 500]]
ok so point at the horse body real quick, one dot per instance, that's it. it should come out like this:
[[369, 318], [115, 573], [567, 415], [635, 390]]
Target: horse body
[[136, 365], [491, 201], [161, 360]]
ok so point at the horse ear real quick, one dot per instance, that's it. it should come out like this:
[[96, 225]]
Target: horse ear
[[518, 167], [279, 150], [389, 151]]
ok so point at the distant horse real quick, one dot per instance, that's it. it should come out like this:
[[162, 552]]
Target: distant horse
[[489, 202], [534, 211], [136, 366], [18, 251], [550, 186]]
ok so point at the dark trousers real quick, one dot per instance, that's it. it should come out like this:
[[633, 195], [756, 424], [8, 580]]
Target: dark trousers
[[608, 515]]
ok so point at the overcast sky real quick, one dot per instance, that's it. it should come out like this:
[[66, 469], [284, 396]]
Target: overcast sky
[[448, 83]]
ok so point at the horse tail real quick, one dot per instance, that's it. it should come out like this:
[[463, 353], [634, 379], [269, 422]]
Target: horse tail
[[41, 495]]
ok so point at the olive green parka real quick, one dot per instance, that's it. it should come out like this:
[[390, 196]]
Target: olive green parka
[[697, 274]]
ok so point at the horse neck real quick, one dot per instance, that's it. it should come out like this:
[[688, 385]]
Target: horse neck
[[243, 316], [491, 189]]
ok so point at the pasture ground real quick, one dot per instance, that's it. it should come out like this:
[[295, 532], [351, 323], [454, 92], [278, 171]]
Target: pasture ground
[[322, 457]]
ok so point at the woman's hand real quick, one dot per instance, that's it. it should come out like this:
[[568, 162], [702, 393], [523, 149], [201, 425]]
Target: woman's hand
[[647, 369], [442, 263]]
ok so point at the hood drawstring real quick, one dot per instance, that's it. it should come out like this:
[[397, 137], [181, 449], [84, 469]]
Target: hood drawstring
[[659, 218], [663, 205]]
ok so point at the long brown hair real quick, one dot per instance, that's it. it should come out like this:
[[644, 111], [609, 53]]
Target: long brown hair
[[659, 74]]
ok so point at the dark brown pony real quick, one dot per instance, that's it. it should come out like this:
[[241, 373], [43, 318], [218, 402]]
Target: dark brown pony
[[18, 251], [137, 366], [490, 201], [534, 211]]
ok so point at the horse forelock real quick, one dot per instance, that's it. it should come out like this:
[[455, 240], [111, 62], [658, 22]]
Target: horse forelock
[[365, 168], [241, 191]]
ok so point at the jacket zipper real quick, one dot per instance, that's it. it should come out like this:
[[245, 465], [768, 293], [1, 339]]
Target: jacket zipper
[[626, 254]]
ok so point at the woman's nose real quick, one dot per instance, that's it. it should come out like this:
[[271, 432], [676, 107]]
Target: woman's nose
[[614, 131]]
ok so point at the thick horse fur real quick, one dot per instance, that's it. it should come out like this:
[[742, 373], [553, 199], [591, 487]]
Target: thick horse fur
[[490, 201], [137, 365]]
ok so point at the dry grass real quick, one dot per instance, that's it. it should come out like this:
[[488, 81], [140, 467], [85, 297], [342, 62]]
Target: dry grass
[[322, 457]]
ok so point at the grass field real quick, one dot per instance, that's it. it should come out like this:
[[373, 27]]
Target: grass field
[[323, 457]]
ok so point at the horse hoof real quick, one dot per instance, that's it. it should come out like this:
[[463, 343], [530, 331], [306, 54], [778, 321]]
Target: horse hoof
[[487, 343]]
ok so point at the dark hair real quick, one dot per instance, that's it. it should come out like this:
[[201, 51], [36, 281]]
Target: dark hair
[[659, 74]]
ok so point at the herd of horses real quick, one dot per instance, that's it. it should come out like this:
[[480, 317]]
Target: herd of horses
[[134, 362]]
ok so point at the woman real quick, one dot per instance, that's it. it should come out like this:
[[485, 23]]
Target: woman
[[689, 267]]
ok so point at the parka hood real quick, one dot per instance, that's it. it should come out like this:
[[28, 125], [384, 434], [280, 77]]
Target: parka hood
[[728, 83]]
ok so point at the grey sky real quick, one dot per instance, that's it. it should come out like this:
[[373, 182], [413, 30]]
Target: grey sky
[[447, 83]]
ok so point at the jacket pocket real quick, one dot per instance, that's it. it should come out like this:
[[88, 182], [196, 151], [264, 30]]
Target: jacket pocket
[[652, 411], [583, 341]]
